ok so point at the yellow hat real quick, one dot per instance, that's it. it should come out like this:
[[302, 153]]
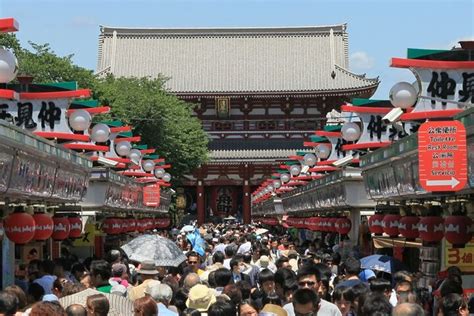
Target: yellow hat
[[200, 297]]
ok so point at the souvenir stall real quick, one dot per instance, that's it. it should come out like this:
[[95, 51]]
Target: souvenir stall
[[424, 180], [118, 207], [43, 181], [37, 179]]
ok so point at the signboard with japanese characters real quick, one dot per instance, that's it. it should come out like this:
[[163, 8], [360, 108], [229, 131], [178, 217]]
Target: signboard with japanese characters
[[37, 115], [442, 154], [151, 195], [463, 258], [444, 84]]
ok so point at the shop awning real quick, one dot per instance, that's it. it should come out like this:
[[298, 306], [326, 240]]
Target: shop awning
[[387, 242]]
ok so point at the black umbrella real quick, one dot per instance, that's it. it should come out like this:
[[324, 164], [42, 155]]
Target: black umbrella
[[163, 251]]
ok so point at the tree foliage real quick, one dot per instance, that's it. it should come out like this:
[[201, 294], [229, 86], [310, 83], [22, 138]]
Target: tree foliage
[[44, 65], [162, 120]]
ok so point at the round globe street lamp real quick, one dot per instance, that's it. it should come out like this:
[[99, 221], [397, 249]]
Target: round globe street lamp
[[322, 151], [135, 155], [166, 177], [350, 131], [285, 177], [100, 133], [309, 159], [80, 120], [8, 65], [123, 148], [159, 173], [148, 165], [277, 184], [295, 170], [403, 95]]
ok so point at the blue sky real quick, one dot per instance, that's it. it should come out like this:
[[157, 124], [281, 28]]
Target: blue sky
[[378, 29]]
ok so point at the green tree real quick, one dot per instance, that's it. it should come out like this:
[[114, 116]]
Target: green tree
[[44, 65], [163, 121]]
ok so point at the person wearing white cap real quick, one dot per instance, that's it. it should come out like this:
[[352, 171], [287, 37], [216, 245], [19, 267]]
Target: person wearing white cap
[[162, 294]]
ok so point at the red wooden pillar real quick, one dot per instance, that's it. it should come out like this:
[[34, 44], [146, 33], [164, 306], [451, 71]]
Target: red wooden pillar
[[246, 211], [99, 246], [55, 249], [201, 212]]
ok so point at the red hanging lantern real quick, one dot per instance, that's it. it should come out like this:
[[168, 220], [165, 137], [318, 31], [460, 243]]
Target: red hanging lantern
[[308, 223], [375, 224], [319, 224], [163, 222], [326, 224], [343, 226], [146, 224], [112, 226], [132, 225], [141, 225], [329, 225], [44, 226], [61, 228], [457, 230], [19, 227], [390, 224], [76, 227], [431, 228], [408, 226], [322, 224], [333, 224], [125, 224]]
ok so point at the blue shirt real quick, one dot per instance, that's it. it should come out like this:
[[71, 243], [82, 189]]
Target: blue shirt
[[164, 311]]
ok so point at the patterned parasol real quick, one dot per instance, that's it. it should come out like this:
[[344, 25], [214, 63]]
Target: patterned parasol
[[164, 252], [118, 305]]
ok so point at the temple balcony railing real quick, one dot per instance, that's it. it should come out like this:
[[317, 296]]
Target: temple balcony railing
[[259, 125]]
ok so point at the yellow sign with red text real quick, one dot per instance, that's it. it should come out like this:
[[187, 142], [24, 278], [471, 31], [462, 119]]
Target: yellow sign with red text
[[460, 257]]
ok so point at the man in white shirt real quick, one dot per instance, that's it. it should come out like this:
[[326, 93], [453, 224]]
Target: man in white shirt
[[307, 278]]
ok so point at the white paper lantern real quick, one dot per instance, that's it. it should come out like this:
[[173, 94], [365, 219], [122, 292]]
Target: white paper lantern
[[350, 131], [135, 155], [270, 188], [148, 165], [123, 148], [159, 172], [309, 159], [285, 177], [166, 177], [295, 170], [323, 151], [100, 133], [277, 184], [403, 95], [8, 65], [80, 120]]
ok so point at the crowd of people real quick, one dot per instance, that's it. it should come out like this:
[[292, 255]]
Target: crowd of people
[[241, 271]]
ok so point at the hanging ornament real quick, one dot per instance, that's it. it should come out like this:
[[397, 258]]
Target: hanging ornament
[[19, 227]]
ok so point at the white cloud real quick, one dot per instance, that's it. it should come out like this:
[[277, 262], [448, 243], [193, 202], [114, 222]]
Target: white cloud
[[361, 61]]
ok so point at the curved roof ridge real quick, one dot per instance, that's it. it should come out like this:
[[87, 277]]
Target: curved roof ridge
[[362, 77], [226, 30]]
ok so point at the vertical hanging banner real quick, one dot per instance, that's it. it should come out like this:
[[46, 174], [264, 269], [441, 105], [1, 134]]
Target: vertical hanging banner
[[442, 154], [151, 195]]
